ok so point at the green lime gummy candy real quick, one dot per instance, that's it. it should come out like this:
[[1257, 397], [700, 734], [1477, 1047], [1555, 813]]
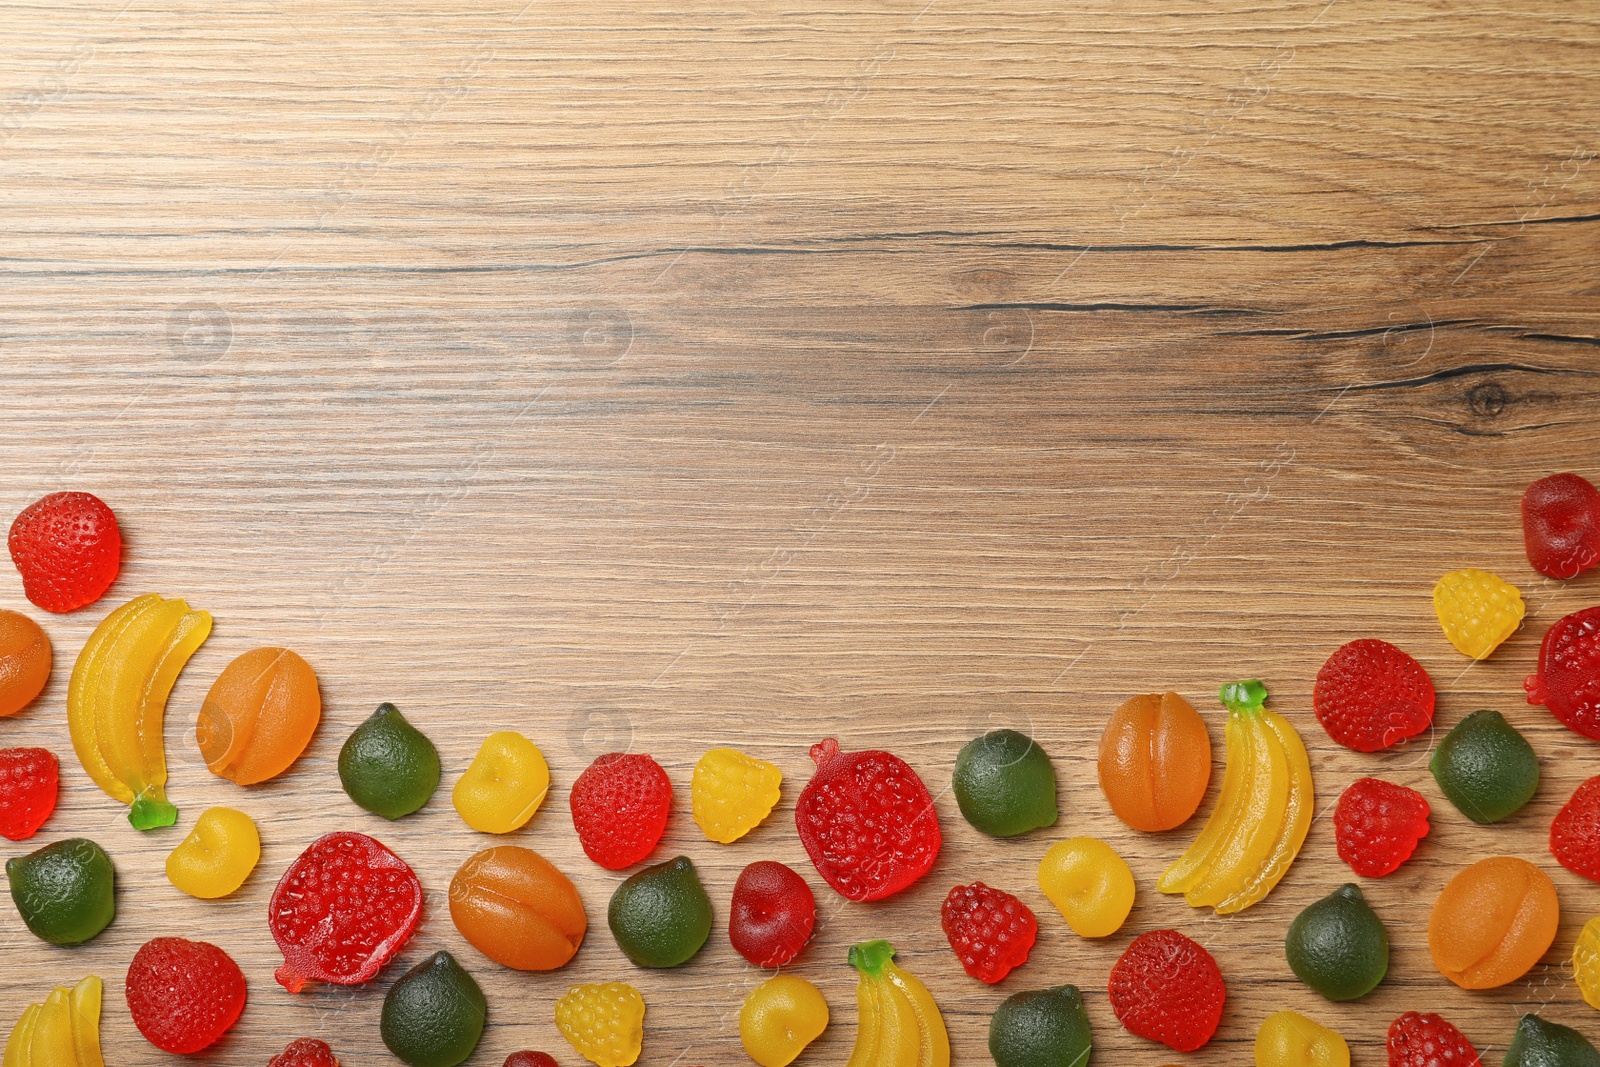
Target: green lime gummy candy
[[1338, 945], [387, 765], [433, 1014], [1538, 1043], [1004, 784], [661, 915], [1486, 768], [65, 892], [1041, 1028]]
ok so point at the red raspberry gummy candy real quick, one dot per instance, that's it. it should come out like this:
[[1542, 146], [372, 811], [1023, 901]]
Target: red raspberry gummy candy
[[772, 915], [184, 995], [530, 1059], [1568, 680], [68, 549], [342, 910], [29, 778], [1371, 696], [1377, 824], [1417, 1040], [1167, 988], [619, 808], [991, 931], [305, 1052], [1561, 525], [867, 822], [1575, 832]]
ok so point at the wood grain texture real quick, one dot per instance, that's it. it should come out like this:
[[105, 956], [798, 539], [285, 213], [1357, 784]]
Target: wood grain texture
[[656, 377]]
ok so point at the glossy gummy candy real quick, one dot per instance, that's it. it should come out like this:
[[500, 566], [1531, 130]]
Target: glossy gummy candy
[[65, 892], [1004, 784], [604, 1023], [389, 766], [1568, 679], [527, 1058], [1539, 1042], [1041, 1028], [515, 907], [1371, 696], [64, 1031], [661, 915], [732, 793], [24, 662], [900, 1023], [1575, 831], [990, 931], [779, 1018], [619, 807], [1586, 963], [217, 856], [1561, 525], [305, 1052], [433, 1015], [259, 716], [1167, 988], [184, 995], [1477, 610], [1377, 825], [867, 822], [772, 915], [1418, 1039], [1155, 761], [1492, 922], [29, 783], [68, 549], [1485, 767], [504, 786], [1338, 945], [1089, 884], [1289, 1039]]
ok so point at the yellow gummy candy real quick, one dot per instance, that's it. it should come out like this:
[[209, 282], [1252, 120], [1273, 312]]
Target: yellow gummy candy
[[1586, 963], [780, 1017], [1089, 884], [64, 1031], [504, 786], [1289, 1039], [1477, 610], [604, 1023], [217, 856], [732, 793]]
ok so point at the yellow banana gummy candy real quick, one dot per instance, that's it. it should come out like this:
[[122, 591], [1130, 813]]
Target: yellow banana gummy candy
[[900, 1024], [64, 1031], [1586, 963]]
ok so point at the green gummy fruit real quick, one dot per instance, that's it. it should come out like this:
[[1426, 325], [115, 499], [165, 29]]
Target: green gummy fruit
[[1004, 784], [388, 766], [1486, 768], [65, 892], [1041, 1028], [433, 1015], [1338, 945], [661, 915], [1544, 1044]]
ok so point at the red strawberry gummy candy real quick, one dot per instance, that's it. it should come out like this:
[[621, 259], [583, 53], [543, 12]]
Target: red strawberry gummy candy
[[772, 915], [1568, 680], [619, 808], [530, 1059], [990, 931], [28, 782], [1167, 988], [1377, 824], [68, 549], [342, 910], [1575, 832], [305, 1052], [1371, 696], [867, 822], [184, 995], [1561, 525], [1418, 1040]]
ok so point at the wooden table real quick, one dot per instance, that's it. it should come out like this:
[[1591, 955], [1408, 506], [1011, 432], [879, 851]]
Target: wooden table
[[648, 378]]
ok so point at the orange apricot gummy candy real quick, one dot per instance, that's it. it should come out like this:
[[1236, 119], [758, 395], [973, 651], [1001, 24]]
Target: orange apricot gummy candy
[[1492, 922], [515, 907], [259, 716], [24, 661], [1155, 761]]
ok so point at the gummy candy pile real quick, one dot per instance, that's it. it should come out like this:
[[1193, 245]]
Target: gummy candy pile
[[348, 904]]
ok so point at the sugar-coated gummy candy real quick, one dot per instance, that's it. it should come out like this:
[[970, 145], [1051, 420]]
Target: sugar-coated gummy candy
[[603, 1022], [24, 661], [515, 907], [217, 856], [773, 914], [619, 808], [731, 793], [1155, 761], [433, 1015], [259, 716], [1492, 922], [504, 786], [184, 995], [990, 931], [1089, 884], [779, 1018], [68, 549], [388, 766]]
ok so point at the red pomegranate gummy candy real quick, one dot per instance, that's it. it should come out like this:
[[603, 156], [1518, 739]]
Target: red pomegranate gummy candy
[[1377, 824], [305, 1052], [620, 805], [990, 931], [773, 914], [1575, 832], [867, 822], [342, 910], [1370, 695], [184, 995], [1418, 1040], [68, 549], [1561, 525], [1167, 988], [29, 778], [1568, 680]]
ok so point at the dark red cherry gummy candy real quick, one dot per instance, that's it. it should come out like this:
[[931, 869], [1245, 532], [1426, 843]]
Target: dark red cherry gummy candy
[[619, 808], [1561, 525], [530, 1059], [773, 914], [342, 910], [867, 822], [184, 995]]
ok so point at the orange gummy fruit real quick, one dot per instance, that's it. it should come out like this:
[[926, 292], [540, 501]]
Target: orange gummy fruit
[[24, 661], [1155, 761], [259, 716], [1492, 922], [515, 907]]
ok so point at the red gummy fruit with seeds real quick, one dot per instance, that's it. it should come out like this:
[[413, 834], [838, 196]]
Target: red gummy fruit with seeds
[[1561, 525], [1568, 680], [305, 1052], [1418, 1040], [29, 780], [991, 931], [773, 914], [342, 910], [184, 995], [867, 822], [530, 1059], [1575, 832], [1167, 988], [1371, 696], [620, 805], [1377, 824], [68, 549]]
